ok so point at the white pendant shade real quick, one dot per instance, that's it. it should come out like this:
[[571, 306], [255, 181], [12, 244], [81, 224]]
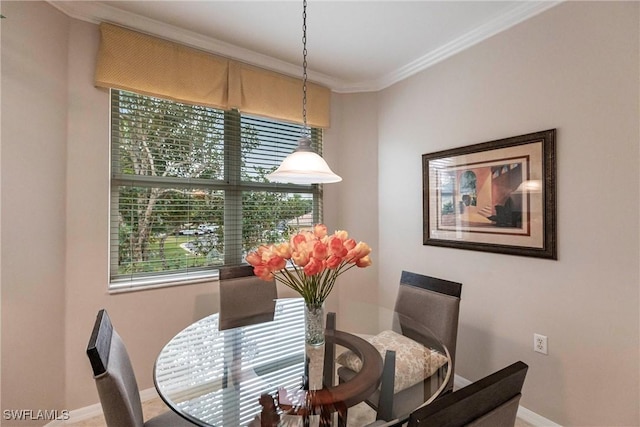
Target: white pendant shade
[[304, 166]]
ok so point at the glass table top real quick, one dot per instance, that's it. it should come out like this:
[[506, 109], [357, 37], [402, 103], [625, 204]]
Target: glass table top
[[216, 377]]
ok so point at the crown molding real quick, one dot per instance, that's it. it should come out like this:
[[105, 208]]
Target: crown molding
[[97, 13], [516, 15]]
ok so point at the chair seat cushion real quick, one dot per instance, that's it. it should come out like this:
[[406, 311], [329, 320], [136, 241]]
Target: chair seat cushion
[[414, 362]]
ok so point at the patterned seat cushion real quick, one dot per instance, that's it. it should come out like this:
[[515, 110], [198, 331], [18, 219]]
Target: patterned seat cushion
[[414, 362]]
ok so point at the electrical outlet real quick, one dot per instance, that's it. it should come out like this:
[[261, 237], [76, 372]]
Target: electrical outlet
[[540, 343]]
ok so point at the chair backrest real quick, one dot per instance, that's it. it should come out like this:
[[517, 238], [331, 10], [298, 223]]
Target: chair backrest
[[434, 303], [114, 376], [489, 402], [246, 301]]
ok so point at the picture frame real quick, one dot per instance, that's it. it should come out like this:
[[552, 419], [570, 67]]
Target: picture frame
[[497, 196]]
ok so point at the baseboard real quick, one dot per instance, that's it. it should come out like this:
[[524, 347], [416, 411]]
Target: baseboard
[[524, 414], [459, 382], [534, 419], [148, 394], [95, 410]]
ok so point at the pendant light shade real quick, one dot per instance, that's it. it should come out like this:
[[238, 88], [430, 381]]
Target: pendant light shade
[[304, 166]]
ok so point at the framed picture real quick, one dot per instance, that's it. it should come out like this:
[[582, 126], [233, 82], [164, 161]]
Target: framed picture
[[497, 196]]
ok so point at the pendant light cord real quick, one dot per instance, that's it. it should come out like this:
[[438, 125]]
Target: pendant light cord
[[305, 129], [304, 166]]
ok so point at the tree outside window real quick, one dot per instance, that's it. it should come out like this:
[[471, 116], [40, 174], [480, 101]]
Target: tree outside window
[[189, 190]]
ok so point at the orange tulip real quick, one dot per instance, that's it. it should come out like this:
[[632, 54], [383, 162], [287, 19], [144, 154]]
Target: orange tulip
[[359, 251], [314, 266], [341, 234], [349, 244], [298, 240], [254, 259], [300, 258], [336, 247], [311, 252], [263, 272], [334, 262], [320, 230], [276, 263], [365, 261], [283, 250], [320, 251]]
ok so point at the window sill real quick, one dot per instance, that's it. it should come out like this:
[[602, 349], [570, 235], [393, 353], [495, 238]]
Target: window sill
[[119, 286]]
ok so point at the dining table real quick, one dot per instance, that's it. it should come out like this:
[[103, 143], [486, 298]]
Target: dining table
[[264, 373]]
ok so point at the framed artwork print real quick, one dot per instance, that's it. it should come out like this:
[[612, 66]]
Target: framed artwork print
[[497, 196]]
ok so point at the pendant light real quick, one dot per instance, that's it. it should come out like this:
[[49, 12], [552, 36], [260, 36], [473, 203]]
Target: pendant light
[[304, 166]]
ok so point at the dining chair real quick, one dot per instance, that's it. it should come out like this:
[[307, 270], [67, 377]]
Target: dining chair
[[246, 301], [422, 302], [489, 402], [116, 381]]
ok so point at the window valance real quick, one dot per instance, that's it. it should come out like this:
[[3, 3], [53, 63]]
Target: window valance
[[152, 66]]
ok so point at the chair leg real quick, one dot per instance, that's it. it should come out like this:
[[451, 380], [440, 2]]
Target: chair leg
[[342, 416], [385, 402], [305, 376], [329, 353]]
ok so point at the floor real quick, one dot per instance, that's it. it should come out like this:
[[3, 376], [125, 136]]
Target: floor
[[357, 415]]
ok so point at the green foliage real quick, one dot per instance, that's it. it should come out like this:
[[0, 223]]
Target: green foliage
[[264, 220], [447, 208], [161, 140]]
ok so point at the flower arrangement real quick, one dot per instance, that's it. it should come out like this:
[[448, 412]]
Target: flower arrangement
[[316, 260]]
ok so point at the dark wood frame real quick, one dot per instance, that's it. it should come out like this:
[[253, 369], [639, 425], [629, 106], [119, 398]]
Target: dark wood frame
[[469, 403], [546, 171], [330, 398]]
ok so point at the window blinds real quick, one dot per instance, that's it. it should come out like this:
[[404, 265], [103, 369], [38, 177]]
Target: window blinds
[[188, 188]]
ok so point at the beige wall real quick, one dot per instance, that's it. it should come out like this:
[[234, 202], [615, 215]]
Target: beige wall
[[33, 169], [48, 310], [146, 320], [574, 68], [354, 119]]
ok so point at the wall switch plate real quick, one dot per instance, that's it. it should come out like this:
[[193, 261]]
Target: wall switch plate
[[540, 343]]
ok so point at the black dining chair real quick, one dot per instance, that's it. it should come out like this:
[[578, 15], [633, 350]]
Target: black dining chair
[[246, 301], [489, 402], [116, 381], [422, 302]]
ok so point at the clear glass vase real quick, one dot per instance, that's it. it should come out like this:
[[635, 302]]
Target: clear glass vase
[[314, 324]]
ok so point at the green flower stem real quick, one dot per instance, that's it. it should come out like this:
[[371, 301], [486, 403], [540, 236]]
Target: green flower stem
[[313, 289]]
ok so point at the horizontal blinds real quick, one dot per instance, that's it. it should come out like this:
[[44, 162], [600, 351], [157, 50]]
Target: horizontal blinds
[[193, 369], [153, 66], [257, 211], [189, 190], [164, 139], [272, 141], [272, 216]]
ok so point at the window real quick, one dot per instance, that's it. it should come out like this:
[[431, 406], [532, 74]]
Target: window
[[189, 193]]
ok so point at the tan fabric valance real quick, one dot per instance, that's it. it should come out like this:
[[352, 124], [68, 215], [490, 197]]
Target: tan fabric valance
[[257, 91], [145, 64], [141, 63]]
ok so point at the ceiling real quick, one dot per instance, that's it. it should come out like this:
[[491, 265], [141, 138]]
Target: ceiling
[[353, 46]]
